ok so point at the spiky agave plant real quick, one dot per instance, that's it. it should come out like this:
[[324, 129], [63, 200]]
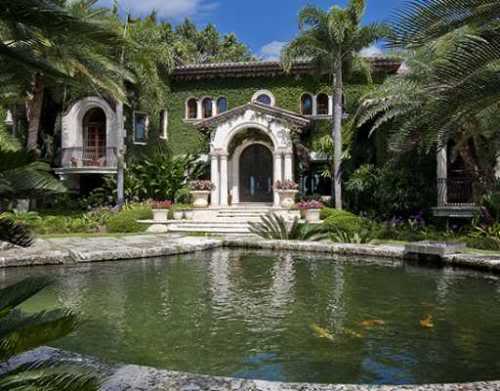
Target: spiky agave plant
[[21, 332], [275, 227], [14, 233]]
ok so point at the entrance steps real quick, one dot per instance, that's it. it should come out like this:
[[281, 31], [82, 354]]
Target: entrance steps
[[227, 221]]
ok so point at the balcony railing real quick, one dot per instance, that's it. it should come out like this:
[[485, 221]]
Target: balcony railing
[[89, 157], [456, 191]]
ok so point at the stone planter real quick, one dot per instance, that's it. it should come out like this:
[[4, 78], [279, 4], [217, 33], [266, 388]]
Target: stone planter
[[188, 215], [312, 215], [178, 215], [160, 214], [200, 199], [287, 198]]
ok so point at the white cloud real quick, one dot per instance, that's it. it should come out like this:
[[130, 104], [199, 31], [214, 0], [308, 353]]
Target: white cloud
[[170, 9], [371, 51], [271, 51]]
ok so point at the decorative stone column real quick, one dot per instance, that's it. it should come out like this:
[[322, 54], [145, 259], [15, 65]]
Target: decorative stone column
[[278, 169], [289, 165], [214, 177], [223, 181], [442, 176]]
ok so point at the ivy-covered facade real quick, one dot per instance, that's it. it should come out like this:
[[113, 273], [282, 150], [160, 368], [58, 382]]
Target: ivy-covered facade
[[235, 114]]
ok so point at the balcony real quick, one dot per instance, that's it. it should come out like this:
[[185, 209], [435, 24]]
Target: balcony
[[456, 198], [88, 160]]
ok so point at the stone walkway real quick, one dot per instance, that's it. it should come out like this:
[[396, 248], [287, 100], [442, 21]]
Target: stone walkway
[[94, 249]]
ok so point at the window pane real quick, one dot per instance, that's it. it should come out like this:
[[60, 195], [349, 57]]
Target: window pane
[[207, 108], [140, 127], [307, 105], [221, 105], [264, 99], [192, 109], [323, 104]]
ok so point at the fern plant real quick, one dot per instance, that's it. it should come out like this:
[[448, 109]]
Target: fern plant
[[21, 332], [275, 227], [361, 237]]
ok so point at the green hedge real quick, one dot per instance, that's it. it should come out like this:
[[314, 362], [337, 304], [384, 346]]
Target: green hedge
[[342, 220], [126, 220]]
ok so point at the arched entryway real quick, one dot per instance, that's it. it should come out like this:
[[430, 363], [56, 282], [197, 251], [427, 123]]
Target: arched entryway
[[256, 174], [94, 138]]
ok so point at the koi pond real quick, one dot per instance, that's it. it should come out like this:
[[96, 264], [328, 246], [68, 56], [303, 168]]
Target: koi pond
[[284, 317]]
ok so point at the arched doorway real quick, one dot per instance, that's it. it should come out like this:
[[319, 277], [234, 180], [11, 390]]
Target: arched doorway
[[256, 174], [94, 138]]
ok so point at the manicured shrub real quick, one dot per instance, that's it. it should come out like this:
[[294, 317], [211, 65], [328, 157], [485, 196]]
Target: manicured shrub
[[126, 220], [343, 220]]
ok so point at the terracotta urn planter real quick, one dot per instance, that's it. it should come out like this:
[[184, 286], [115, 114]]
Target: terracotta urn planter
[[200, 198], [178, 215], [287, 198], [160, 210], [312, 215], [160, 214]]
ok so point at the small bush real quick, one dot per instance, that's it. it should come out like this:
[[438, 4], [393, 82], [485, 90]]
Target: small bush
[[342, 220], [126, 220]]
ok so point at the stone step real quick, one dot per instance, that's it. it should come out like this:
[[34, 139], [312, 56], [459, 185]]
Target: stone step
[[210, 230]]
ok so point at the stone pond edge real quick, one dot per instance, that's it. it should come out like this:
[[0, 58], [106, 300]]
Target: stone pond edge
[[133, 377]]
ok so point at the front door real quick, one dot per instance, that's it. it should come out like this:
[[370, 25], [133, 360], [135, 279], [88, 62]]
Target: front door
[[256, 174]]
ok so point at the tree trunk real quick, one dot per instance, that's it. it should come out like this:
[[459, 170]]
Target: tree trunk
[[34, 112], [337, 132]]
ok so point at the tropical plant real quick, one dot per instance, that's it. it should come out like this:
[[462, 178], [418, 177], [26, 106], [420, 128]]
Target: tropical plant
[[14, 233], [275, 227], [155, 174], [46, 42], [22, 176], [449, 90], [485, 237], [21, 332], [332, 40], [364, 236]]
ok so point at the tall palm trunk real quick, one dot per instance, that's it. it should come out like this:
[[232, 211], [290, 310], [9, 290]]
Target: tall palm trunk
[[337, 131], [34, 111]]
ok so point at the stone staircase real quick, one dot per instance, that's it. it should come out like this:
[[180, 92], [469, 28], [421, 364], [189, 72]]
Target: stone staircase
[[229, 221]]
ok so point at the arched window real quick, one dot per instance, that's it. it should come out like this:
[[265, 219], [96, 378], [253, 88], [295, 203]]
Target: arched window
[[323, 102], [192, 109], [306, 104], [207, 110], [221, 105], [94, 135], [264, 97]]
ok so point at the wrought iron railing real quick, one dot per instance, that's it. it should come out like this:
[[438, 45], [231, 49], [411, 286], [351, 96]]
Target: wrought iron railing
[[456, 191], [89, 157]]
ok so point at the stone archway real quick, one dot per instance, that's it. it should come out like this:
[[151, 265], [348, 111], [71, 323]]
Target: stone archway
[[275, 125]]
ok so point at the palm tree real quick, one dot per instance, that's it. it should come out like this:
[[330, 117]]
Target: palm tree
[[276, 227], [21, 332], [48, 44], [332, 40]]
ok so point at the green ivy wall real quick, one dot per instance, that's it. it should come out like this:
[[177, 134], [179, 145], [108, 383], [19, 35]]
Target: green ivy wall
[[183, 135]]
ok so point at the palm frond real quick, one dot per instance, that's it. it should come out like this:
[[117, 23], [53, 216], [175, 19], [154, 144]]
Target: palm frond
[[15, 233]]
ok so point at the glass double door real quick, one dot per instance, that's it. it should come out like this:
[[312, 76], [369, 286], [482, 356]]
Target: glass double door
[[256, 174]]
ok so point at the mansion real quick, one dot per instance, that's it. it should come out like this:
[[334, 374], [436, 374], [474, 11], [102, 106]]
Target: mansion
[[251, 120]]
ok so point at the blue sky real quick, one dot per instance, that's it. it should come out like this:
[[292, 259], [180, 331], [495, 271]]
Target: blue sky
[[264, 25]]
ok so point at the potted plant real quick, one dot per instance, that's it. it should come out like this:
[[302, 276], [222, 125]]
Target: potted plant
[[160, 210], [200, 190], [287, 191], [311, 210]]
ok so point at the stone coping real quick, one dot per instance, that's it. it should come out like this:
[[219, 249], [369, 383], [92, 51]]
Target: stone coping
[[72, 250], [120, 377]]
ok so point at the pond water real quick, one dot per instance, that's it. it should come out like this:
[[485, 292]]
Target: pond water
[[285, 317]]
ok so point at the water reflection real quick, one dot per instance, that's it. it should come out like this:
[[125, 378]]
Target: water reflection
[[249, 314]]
